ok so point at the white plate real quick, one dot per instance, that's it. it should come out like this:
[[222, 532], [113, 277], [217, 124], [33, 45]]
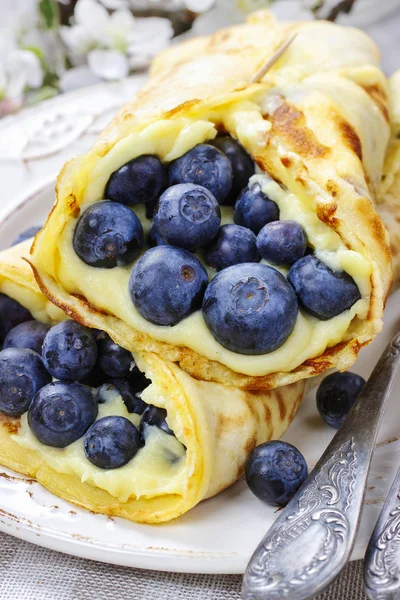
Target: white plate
[[219, 535]]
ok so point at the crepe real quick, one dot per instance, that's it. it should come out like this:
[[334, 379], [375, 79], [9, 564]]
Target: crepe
[[218, 426], [389, 192], [318, 128]]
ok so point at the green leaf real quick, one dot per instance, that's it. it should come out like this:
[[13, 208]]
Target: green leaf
[[50, 13], [36, 50], [35, 96]]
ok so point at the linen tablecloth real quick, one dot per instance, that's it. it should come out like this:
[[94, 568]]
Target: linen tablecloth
[[28, 572]]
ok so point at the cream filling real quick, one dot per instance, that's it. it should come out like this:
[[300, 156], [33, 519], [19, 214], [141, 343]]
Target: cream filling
[[40, 308], [158, 468], [107, 290]]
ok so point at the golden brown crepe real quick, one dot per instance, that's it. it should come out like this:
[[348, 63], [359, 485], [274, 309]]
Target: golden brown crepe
[[218, 425], [389, 192], [318, 128]]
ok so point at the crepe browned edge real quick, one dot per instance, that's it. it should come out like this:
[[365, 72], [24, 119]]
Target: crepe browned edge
[[389, 192], [288, 125], [201, 485]]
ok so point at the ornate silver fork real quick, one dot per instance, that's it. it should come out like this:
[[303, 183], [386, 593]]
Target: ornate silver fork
[[382, 560], [311, 540]]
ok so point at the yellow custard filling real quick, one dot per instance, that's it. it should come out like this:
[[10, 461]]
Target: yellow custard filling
[[107, 290], [158, 468]]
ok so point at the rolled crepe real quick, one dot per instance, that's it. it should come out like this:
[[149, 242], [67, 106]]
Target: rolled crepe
[[389, 192], [216, 427], [317, 126]]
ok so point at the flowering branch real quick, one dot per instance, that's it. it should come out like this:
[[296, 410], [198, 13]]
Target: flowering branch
[[345, 6]]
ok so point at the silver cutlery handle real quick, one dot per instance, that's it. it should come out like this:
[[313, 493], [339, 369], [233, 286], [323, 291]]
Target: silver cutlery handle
[[312, 538], [382, 560]]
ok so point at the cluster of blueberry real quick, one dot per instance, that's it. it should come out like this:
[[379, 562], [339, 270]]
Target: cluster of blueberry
[[249, 306], [61, 412], [86, 366]]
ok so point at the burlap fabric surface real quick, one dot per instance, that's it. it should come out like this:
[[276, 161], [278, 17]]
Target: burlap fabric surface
[[28, 572]]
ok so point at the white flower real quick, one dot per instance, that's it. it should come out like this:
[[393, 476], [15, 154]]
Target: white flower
[[115, 4], [147, 39], [16, 14], [199, 6], [108, 64], [113, 43], [19, 69]]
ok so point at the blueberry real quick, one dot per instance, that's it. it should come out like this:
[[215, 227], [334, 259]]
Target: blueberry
[[282, 242], [69, 351], [29, 334], [95, 378], [11, 314], [27, 234], [107, 235], [187, 216], [167, 284], [150, 208], [322, 292], [242, 164], [127, 390], [250, 308], [122, 387], [232, 245], [155, 238], [22, 374], [253, 209], [61, 412], [139, 180], [336, 395], [275, 471], [111, 442], [153, 415], [114, 360], [130, 390], [206, 166]]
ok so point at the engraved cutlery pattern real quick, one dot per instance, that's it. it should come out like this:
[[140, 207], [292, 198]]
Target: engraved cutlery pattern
[[311, 540], [382, 560]]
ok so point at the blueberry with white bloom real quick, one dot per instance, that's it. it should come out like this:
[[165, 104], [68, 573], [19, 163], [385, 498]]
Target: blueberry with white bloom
[[187, 216], [22, 374], [61, 412], [167, 284], [69, 351], [130, 390], [140, 180], [322, 292], [29, 334], [107, 235], [232, 245], [250, 308], [12, 313], [275, 471], [111, 442], [282, 242], [154, 237], [242, 164], [253, 209], [336, 396], [206, 166], [114, 360], [156, 416]]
